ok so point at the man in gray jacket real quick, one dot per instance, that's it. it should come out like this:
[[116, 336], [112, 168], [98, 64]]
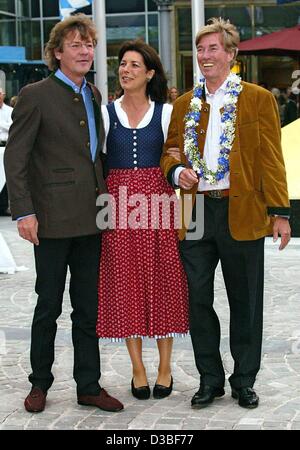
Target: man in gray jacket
[[54, 174]]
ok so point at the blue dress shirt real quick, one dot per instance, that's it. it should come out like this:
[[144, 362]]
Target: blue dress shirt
[[86, 93]]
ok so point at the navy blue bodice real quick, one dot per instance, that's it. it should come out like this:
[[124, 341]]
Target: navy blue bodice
[[129, 148]]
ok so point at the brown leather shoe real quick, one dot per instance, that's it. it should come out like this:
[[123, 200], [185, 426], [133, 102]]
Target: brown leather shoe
[[103, 401], [36, 400]]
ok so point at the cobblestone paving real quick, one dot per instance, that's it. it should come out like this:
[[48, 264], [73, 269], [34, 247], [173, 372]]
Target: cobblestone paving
[[278, 382]]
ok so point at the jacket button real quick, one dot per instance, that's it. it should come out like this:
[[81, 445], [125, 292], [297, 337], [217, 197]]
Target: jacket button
[[88, 145], [202, 131], [82, 123], [76, 99], [205, 109]]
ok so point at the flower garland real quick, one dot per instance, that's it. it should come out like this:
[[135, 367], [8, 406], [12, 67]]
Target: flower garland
[[228, 119]]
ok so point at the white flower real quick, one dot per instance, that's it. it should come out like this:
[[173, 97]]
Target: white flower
[[196, 103], [210, 179], [190, 123], [227, 100]]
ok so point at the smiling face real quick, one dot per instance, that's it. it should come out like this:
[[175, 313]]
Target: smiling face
[[76, 57], [133, 74], [214, 61], [173, 93]]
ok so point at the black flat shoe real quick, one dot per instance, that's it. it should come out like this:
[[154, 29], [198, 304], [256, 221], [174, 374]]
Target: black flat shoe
[[206, 395], [160, 391], [142, 393], [246, 396]]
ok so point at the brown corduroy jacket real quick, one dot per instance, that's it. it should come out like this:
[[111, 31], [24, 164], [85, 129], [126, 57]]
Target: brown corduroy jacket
[[48, 164], [258, 186]]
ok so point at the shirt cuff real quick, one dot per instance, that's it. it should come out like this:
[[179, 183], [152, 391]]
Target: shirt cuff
[[280, 215], [24, 217], [176, 175]]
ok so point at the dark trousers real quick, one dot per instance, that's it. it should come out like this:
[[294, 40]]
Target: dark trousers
[[242, 264], [52, 258], [3, 200]]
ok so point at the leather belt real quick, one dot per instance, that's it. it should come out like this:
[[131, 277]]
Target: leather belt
[[218, 193]]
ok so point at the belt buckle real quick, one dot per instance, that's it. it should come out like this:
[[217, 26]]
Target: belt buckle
[[215, 194]]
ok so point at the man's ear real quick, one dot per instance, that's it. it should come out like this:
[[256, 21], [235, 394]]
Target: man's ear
[[233, 54], [57, 53]]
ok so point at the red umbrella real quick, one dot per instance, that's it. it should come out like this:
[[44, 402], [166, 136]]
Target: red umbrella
[[285, 42]]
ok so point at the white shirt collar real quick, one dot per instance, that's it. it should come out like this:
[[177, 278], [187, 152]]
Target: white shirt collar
[[222, 88]]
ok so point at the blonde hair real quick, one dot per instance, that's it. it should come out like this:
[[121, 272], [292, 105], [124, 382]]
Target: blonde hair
[[78, 22], [229, 35]]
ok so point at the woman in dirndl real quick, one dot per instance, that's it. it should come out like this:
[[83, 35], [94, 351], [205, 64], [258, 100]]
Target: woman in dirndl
[[142, 285]]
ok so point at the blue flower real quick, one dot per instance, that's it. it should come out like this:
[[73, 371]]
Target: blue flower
[[223, 138]]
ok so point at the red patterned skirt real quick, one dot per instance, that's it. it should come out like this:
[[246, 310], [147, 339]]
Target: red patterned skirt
[[142, 287]]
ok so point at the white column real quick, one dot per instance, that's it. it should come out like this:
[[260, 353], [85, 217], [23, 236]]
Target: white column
[[2, 81], [100, 63], [165, 51], [198, 21]]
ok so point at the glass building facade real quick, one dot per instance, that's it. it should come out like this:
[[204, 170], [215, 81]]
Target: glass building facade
[[253, 18], [25, 25]]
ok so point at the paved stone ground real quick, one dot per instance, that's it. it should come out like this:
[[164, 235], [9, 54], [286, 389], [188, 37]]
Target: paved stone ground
[[278, 383]]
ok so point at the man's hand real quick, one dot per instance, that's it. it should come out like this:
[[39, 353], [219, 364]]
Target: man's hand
[[174, 152], [282, 227], [28, 228], [187, 179]]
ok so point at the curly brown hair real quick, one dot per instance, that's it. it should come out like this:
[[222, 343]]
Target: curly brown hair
[[77, 22]]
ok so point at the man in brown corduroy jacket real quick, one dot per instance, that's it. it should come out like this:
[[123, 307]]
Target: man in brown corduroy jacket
[[235, 145]]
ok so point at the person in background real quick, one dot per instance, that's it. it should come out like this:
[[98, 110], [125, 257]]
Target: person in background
[[228, 133], [142, 287], [281, 102], [263, 84], [54, 174], [111, 97], [172, 95], [291, 109], [5, 123]]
